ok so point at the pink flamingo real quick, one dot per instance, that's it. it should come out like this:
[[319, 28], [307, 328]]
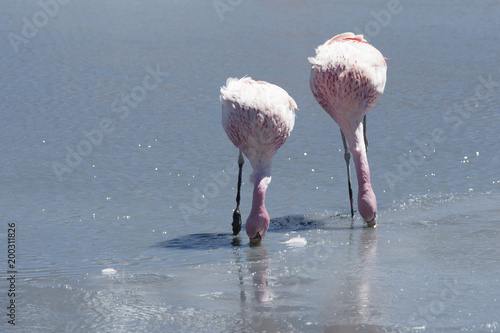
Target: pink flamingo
[[258, 118], [347, 78]]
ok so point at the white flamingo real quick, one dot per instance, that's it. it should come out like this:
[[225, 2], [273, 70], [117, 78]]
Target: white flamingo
[[348, 76], [258, 118]]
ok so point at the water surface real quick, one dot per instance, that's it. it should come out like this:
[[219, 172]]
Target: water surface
[[151, 190]]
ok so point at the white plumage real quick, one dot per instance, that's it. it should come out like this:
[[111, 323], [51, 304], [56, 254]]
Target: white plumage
[[257, 117], [355, 73], [348, 76]]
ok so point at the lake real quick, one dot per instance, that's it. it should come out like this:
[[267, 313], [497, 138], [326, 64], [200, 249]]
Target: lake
[[113, 156]]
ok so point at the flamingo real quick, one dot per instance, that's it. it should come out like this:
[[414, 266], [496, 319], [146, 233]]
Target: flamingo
[[347, 78], [258, 118]]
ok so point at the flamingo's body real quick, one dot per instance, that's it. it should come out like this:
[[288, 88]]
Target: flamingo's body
[[348, 76], [258, 118]]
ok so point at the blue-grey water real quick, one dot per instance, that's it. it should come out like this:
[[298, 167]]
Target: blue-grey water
[[113, 156]]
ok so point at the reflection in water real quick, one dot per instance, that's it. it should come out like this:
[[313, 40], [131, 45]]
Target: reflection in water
[[367, 254], [355, 329], [258, 266], [258, 313], [359, 305]]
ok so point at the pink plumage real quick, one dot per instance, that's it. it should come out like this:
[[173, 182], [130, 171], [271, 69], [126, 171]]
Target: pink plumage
[[348, 76], [258, 118]]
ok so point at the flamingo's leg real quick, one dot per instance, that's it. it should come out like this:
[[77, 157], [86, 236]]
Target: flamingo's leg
[[236, 215], [364, 133], [347, 158]]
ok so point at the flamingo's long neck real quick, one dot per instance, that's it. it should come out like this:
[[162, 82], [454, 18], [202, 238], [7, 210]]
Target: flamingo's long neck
[[259, 197], [367, 202], [258, 219], [262, 178]]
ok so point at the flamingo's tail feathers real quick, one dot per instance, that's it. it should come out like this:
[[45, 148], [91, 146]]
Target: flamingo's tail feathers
[[360, 38], [347, 36], [312, 60], [227, 91]]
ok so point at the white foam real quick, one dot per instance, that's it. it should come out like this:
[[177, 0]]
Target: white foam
[[108, 271], [296, 242]]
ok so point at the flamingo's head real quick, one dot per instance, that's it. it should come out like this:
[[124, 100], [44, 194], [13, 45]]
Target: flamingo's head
[[367, 205], [257, 225]]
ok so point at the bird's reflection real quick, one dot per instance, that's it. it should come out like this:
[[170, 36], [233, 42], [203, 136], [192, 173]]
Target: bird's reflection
[[258, 266], [367, 254], [258, 313], [357, 296]]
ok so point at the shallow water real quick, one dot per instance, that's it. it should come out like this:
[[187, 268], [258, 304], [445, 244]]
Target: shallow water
[[148, 188]]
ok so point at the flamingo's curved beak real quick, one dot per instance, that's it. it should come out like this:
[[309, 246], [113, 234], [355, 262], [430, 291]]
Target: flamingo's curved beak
[[256, 240]]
